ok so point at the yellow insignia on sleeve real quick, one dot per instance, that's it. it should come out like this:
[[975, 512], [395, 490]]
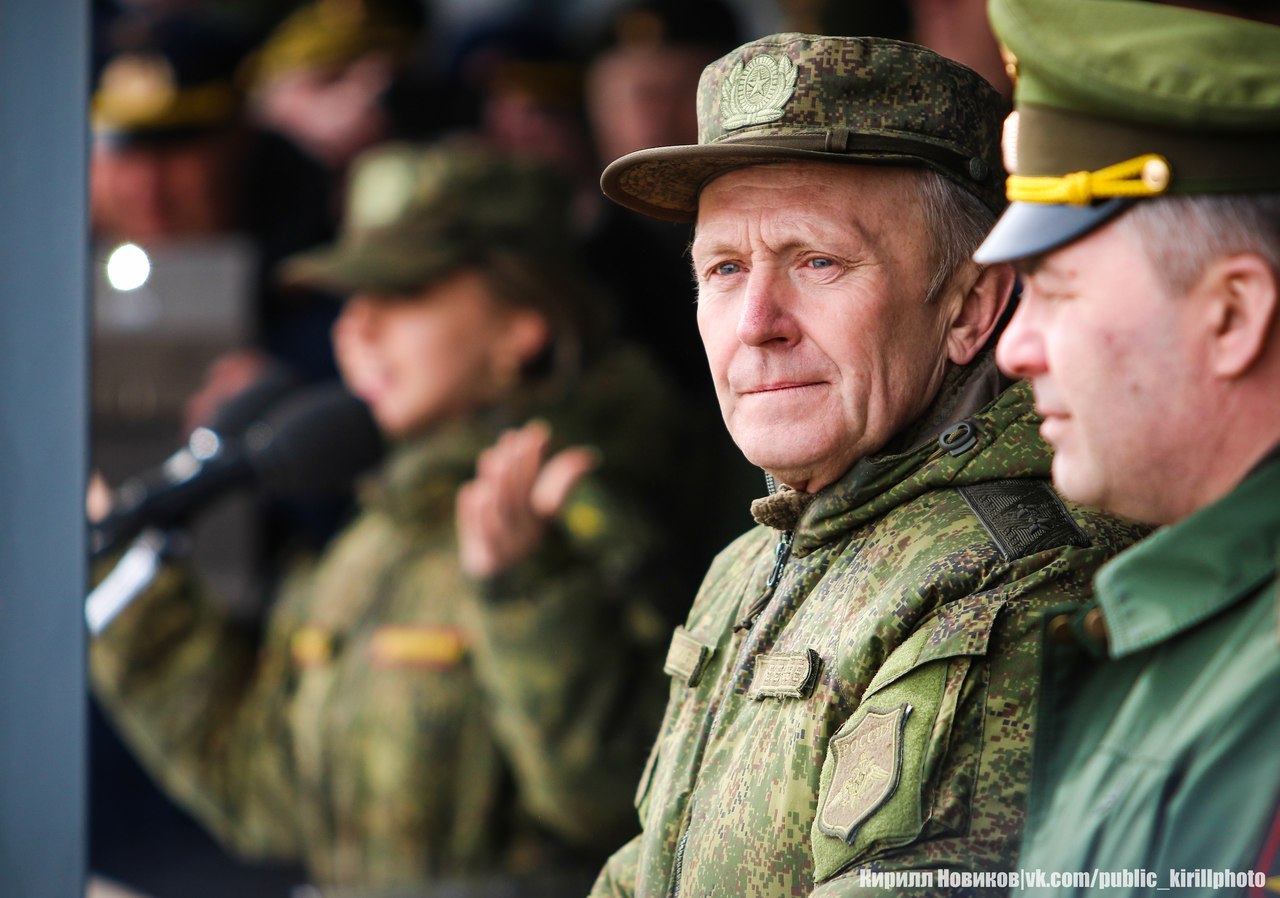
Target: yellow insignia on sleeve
[[868, 764], [417, 645], [311, 647], [585, 521]]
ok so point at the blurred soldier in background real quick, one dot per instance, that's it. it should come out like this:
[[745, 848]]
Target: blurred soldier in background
[[404, 723]]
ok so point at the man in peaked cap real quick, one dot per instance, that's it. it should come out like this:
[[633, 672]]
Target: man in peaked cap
[[852, 694], [1146, 224]]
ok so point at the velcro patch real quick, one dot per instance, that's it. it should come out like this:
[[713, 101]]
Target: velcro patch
[[687, 657], [785, 675], [868, 764], [1023, 516], [416, 645]]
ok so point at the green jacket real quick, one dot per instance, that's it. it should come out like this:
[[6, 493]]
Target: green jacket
[[1160, 748], [876, 713], [398, 723]]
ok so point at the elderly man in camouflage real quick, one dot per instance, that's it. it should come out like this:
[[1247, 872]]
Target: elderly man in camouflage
[[854, 689]]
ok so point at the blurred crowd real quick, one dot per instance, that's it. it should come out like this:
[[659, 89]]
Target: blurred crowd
[[221, 119]]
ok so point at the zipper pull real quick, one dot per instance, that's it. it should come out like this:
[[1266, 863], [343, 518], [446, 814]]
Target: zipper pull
[[781, 553]]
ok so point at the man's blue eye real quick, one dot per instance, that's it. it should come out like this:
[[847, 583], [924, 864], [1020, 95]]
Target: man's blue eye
[[822, 263], [728, 268]]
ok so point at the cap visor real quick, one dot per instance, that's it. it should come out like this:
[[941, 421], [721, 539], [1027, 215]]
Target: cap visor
[[664, 182], [1029, 229], [378, 268]]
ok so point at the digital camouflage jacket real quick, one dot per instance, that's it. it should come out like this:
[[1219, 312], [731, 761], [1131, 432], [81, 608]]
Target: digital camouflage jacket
[[399, 724], [873, 711]]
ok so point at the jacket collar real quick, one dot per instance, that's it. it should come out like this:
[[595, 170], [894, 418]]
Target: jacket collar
[[877, 484], [1190, 571]]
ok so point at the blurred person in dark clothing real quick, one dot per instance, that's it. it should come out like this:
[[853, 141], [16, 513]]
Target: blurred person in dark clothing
[[641, 87]]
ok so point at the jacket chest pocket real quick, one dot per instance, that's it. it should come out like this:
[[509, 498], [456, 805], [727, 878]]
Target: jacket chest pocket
[[902, 767]]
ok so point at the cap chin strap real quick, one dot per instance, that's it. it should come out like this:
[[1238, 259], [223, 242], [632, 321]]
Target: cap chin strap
[[1143, 176]]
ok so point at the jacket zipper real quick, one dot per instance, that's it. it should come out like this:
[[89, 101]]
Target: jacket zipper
[[679, 865], [781, 554]]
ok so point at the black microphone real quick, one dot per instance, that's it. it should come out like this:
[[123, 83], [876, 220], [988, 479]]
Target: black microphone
[[229, 421], [233, 417], [312, 443]]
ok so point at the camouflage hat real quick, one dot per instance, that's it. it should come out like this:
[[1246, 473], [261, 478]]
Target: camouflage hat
[[416, 214], [800, 97], [1117, 101]]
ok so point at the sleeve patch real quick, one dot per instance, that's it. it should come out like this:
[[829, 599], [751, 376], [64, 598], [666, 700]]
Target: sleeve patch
[[1023, 516], [868, 765]]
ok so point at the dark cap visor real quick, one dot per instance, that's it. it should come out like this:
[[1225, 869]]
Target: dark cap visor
[[664, 182], [344, 269], [1029, 229]]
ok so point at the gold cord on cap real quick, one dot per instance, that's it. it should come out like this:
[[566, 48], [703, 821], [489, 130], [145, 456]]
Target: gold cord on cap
[[1142, 176]]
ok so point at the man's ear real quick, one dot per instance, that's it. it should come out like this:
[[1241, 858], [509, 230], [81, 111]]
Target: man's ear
[[525, 334], [979, 310], [1240, 293]]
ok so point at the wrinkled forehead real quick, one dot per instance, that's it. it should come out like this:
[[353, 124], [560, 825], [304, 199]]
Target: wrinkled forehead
[[811, 196]]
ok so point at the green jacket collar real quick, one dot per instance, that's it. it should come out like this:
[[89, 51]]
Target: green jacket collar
[[1007, 445], [1190, 571]]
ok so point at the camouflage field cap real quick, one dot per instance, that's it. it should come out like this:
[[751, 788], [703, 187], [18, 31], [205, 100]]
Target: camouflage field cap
[[1117, 101], [416, 214], [801, 97]]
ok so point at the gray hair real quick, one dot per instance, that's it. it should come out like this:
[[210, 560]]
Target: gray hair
[[1183, 235], [957, 222]]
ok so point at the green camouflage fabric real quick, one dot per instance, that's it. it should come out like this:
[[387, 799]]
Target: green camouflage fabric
[[398, 723], [876, 714], [804, 97]]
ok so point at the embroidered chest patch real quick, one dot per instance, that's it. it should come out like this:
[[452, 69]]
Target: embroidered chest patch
[[868, 765], [785, 675]]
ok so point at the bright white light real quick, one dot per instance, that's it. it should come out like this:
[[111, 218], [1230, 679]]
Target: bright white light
[[128, 267]]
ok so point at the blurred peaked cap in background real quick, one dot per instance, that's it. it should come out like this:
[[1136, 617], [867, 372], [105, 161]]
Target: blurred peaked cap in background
[[165, 75], [416, 214], [800, 97], [1118, 100], [328, 33]]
